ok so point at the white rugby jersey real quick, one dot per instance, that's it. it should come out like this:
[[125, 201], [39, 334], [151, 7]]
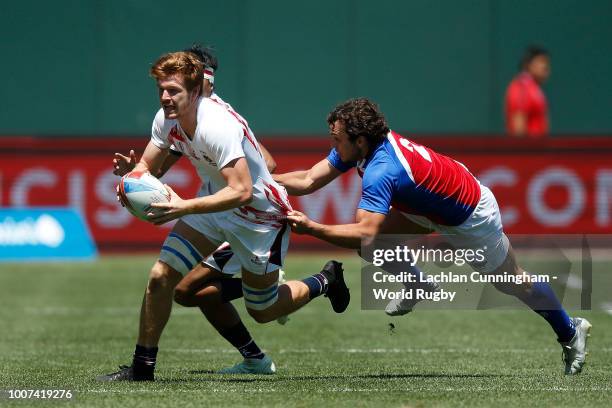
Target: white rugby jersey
[[218, 99], [221, 136]]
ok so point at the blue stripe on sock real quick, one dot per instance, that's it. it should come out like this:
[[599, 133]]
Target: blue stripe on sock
[[178, 255], [196, 256]]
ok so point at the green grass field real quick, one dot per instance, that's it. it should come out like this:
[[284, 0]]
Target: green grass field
[[64, 324]]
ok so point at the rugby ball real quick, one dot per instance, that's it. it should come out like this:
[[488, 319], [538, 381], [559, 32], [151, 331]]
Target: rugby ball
[[138, 190]]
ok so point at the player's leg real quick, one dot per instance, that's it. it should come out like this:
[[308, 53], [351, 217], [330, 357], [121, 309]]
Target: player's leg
[[195, 290], [211, 291], [211, 283], [539, 296], [571, 333], [485, 232], [265, 300], [154, 314], [182, 250], [397, 223], [261, 254]]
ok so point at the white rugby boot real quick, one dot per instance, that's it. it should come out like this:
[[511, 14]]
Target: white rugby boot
[[251, 366], [575, 350], [400, 307], [281, 279]]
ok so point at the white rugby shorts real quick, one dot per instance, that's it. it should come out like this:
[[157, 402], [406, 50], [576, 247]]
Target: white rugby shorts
[[258, 248]]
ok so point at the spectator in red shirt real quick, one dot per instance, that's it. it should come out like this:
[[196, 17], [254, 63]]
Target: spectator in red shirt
[[526, 105]]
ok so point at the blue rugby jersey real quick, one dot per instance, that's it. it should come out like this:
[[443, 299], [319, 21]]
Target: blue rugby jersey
[[415, 180]]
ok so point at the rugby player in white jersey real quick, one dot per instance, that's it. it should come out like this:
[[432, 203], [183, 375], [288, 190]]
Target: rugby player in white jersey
[[210, 286], [243, 206]]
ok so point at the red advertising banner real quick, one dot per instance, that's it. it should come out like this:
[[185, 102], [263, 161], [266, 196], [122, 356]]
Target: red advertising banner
[[552, 187]]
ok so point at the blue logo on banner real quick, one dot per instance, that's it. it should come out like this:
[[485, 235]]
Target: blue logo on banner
[[33, 234]]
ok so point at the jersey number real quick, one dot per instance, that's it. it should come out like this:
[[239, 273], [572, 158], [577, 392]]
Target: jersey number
[[414, 147]]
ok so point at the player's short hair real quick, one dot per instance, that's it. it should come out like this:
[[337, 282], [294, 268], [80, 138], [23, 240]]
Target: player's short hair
[[361, 117], [183, 63], [530, 53], [205, 54]]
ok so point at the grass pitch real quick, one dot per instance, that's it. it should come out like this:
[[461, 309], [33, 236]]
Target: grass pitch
[[64, 324]]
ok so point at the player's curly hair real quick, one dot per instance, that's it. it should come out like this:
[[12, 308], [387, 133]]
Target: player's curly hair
[[184, 63], [361, 118]]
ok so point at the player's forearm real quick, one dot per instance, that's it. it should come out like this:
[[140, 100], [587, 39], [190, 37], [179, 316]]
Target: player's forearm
[[296, 182], [346, 235], [223, 200], [152, 159], [141, 166]]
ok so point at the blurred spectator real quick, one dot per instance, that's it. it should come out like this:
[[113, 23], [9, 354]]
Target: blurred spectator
[[526, 105]]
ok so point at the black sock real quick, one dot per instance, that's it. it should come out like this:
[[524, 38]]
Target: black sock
[[231, 289], [240, 338], [143, 363]]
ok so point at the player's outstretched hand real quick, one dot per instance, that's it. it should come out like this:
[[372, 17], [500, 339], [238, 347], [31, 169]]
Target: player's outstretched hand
[[299, 222], [124, 164], [162, 213], [119, 196]]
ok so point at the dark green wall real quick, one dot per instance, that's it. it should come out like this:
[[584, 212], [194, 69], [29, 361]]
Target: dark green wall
[[81, 67]]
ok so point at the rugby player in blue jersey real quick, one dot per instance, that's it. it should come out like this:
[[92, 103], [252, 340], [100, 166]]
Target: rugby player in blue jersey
[[406, 185]]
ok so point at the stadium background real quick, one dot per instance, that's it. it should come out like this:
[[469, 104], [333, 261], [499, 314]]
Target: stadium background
[[81, 67], [79, 70]]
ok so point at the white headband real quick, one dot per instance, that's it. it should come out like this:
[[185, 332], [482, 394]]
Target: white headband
[[209, 73]]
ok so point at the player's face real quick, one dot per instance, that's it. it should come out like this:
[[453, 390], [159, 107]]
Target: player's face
[[347, 150], [539, 68], [207, 88], [174, 98]]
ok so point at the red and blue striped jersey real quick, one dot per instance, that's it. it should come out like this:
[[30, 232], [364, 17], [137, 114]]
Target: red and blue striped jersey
[[415, 180]]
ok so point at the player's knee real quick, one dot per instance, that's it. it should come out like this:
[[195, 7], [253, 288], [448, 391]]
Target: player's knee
[[259, 301], [206, 297], [161, 278]]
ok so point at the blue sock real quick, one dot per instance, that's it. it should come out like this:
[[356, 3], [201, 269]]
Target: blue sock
[[317, 285], [544, 302]]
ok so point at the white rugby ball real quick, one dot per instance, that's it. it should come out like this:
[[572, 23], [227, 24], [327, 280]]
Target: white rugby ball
[[138, 190]]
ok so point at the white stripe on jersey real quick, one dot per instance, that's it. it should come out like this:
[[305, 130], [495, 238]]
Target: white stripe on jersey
[[400, 156]]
